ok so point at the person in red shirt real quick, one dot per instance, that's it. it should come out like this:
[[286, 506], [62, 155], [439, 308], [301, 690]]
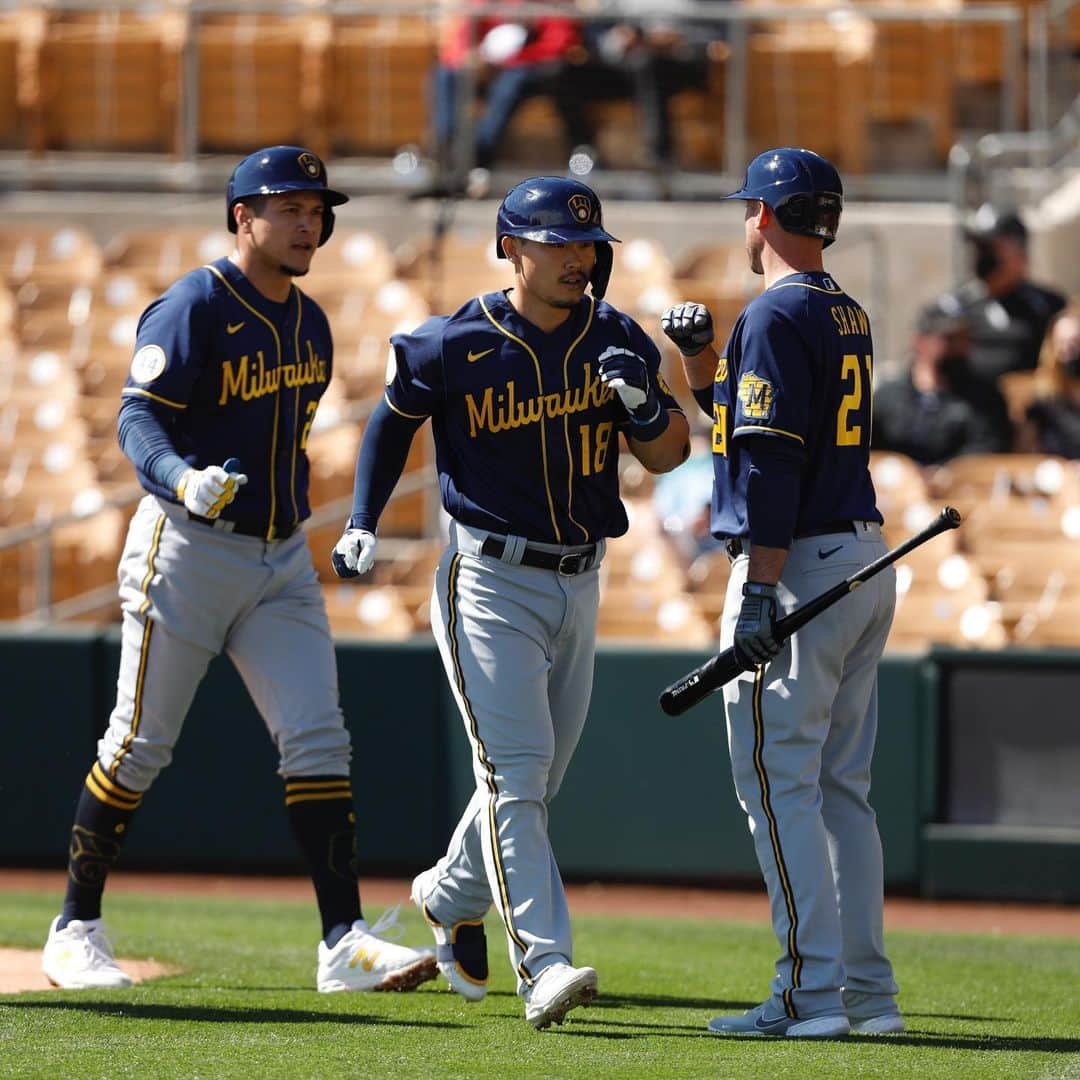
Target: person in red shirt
[[515, 60]]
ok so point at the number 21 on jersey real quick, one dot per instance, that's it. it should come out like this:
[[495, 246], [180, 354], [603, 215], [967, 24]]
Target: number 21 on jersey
[[848, 431]]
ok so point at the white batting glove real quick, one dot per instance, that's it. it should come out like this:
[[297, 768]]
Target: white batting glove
[[626, 373], [354, 553], [208, 491]]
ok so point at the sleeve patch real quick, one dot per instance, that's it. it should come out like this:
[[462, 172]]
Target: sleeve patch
[[148, 363], [756, 396]]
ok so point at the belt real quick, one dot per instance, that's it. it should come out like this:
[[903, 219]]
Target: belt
[[573, 562], [240, 529], [736, 545]]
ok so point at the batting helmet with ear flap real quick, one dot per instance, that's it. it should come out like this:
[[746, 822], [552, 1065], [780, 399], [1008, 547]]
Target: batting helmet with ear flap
[[557, 210], [800, 187], [277, 169]]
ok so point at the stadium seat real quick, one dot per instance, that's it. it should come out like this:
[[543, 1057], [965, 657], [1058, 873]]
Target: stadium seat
[[109, 81], [367, 611], [49, 253], [377, 97], [157, 257], [259, 80]]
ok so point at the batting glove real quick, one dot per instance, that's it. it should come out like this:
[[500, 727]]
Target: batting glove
[[627, 374], [206, 492], [690, 326], [755, 632], [354, 553]]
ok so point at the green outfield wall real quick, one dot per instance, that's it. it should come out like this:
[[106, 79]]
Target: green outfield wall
[[647, 797]]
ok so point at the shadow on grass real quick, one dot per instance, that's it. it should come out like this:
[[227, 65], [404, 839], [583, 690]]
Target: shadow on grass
[[671, 1001], [995, 1043], [207, 1015]]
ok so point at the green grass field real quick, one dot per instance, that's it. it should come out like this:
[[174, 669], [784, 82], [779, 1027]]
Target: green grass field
[[245, 1006]]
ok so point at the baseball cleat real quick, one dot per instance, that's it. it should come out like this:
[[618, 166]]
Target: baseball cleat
[[461, 949], [872, 1014], [365, 960], [80, 957], [755, 1022], [558, 989]]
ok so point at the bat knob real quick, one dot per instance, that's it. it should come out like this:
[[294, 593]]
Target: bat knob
[[952, 516], [232, 465]]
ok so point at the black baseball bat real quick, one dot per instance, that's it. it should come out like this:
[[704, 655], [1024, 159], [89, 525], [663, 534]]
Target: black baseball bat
[[698, 684]]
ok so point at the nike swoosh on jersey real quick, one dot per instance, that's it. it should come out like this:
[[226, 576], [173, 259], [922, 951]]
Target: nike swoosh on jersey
[[823, 554], [474, 356], [232, 328]]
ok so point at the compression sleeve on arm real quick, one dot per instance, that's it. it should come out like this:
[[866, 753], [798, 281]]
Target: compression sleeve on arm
[[145, 441], [383, 452], [772, 489]]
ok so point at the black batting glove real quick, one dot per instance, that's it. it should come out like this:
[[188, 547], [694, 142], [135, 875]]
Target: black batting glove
[[755, 632], [690, 326]]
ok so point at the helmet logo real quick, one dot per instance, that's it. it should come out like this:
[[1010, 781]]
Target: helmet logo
[[581, 207], [311, 165]]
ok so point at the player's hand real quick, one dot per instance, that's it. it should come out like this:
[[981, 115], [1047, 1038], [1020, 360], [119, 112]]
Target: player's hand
[[690, 326], [354, 553], [755, 632], [628, 375], [208, 491]]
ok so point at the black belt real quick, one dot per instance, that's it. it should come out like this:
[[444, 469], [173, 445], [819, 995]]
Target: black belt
[[736, 545], [240, 529], [573, 562]]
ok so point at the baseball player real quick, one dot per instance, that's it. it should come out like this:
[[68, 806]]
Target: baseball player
[[792, 496], [230, 362], [527, 391]]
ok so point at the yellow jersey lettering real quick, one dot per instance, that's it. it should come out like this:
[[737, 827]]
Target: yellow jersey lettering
[[504, 411]]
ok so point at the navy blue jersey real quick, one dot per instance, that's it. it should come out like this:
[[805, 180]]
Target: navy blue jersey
[[525, 432], [233, 374], [798, 368]]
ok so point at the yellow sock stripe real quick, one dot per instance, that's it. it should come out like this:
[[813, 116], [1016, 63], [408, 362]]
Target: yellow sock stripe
[[318, 796], [489, 769], [136, 715], [118, 791], [774, 839], [102, 795], [318, 785]]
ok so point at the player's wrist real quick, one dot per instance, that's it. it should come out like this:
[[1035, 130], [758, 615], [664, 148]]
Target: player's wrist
[[652, 428]]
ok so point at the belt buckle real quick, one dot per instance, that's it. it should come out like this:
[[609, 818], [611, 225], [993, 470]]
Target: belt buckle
[[572, 563]]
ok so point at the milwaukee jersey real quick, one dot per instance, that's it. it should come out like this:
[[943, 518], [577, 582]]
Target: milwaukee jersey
[[525, 432], [797, 368], [233, 374]]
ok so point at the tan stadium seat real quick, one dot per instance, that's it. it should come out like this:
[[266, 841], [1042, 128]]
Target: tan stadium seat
[[109, 81], [368, 611], [352, 259], [935, 618], [632, 615], [66, 252], [462, 266], [377, 75], [259, 80], [158, 257]]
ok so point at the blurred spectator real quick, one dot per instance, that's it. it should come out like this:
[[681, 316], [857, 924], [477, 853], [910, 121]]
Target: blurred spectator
[[940, 408], [1008, 314], [516, 60], [682, 500], [650, 57], [1052, 424]]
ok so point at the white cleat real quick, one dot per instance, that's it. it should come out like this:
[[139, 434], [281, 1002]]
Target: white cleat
[[80, 957], [461, 949], [873, 1014], [756, 1022], [365, 960], [558, 989]]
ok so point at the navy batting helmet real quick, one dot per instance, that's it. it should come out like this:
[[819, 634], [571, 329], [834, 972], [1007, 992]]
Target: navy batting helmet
[[800, 187], [554, 210], [277, 169]]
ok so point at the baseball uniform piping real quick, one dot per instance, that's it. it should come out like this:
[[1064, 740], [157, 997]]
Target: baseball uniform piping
[[566, 422], [774, 839], [540, 391], [277, 396], [144, 650], [296, 414], [134, 391], [482, 756]]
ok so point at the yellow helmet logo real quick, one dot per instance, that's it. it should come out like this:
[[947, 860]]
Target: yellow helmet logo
[[581, 207], [311, 165]]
